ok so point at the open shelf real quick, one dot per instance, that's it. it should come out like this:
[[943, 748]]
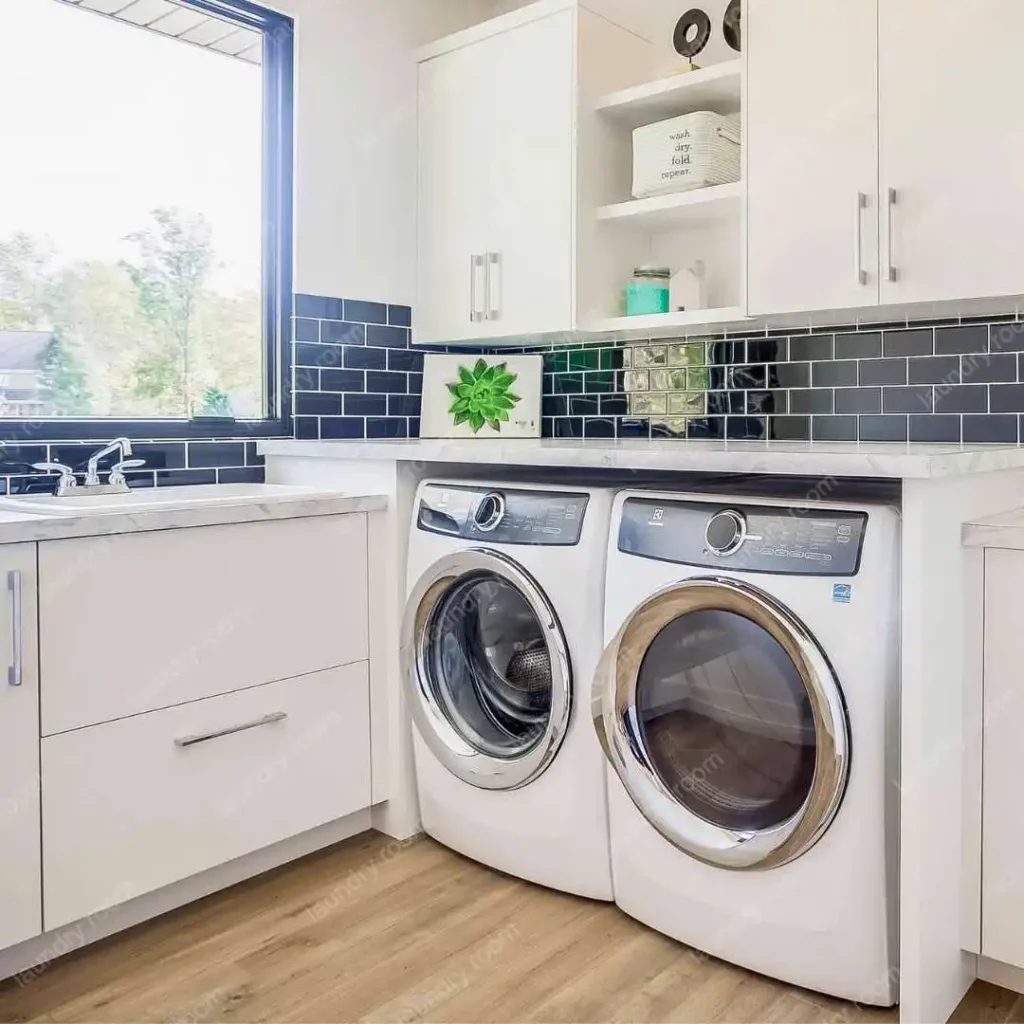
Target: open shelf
[[716, 88], [701, 207], [668, 324]]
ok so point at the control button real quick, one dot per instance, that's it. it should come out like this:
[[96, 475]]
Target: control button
[[489, 512], [725, 533]]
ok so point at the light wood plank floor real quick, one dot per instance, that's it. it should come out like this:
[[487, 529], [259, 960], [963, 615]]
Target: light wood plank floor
[[373, 930]]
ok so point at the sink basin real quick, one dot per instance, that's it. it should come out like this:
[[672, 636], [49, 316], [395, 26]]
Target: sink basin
[[150, 499]]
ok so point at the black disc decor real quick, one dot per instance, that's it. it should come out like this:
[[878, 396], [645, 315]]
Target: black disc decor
[[732, 25], [693, 31]]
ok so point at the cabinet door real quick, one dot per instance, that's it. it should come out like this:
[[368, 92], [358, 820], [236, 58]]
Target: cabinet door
[[529, 93], [1002, 872], [812, 153], [20, 886], [952, 148], [452, 172], [179, 615]]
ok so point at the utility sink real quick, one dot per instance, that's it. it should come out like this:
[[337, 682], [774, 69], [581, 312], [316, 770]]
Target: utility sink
[[150, 499]]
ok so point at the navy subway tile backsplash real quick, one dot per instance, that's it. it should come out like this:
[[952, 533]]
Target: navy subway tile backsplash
[[357, 376], [949, 381], [355, 373]]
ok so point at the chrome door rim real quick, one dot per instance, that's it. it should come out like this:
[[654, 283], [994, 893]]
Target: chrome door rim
[[446, 743], [614, 712]]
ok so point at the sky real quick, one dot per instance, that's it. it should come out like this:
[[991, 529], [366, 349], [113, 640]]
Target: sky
[[102, 122]]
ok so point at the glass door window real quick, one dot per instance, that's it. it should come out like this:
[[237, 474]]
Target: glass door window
[[725, 723], [487, 669]]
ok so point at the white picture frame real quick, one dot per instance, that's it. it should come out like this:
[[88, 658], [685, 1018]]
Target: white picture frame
[[481, 396]]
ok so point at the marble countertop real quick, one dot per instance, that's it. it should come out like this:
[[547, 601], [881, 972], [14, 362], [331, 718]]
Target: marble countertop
[[276, 503], [782, 458], [1005, 530]]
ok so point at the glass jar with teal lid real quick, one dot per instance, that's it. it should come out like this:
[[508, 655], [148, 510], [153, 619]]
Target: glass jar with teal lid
[[648, 291]]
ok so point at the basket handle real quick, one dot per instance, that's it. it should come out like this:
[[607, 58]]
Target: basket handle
[[729, 134]]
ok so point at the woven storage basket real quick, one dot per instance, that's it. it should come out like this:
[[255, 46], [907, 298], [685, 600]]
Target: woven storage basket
[[683, 153]]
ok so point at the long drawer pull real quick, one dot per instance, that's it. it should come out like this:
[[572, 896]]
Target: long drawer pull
[[191, 741], [14, 589]]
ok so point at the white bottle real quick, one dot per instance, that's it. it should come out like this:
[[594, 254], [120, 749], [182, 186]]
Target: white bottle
[[688, 288]]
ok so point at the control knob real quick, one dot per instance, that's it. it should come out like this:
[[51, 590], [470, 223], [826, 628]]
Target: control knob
[[489, 512]]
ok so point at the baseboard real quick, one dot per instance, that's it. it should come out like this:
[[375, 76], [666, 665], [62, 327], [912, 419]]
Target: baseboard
[[998, 973], [29, 959]]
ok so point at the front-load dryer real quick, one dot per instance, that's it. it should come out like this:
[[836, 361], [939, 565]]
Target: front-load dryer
[[502, 634], [747, 702]]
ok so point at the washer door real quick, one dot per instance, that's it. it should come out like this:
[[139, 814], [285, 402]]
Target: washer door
[[487, 670], [725, 723]]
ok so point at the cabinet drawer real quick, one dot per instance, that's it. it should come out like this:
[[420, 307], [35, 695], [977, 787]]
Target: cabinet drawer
[[142, 621], [133, 805]]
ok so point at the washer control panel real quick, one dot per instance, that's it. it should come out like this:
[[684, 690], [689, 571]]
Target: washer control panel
[[752, 538], [503, 516]]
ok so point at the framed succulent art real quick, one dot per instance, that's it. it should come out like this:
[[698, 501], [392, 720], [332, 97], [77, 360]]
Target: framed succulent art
[[481, 396]]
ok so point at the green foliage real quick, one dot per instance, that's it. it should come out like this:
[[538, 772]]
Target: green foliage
[[215, 403], [482, 396], [62, 380], [175, 260], [148, 337]]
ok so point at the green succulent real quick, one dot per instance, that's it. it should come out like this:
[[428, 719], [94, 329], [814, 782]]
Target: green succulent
[[482, 395]]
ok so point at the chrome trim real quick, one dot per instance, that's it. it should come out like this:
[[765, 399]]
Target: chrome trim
[[476, 263], [494, 521], [191, 741], [739, 522], [614, 714], [858, 240], [14, 670], [446, 743], [893, 202]]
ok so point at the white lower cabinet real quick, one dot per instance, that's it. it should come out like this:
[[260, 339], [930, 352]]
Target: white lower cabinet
[[1002, 839], [134, 805], [177, 615], [20, 885]]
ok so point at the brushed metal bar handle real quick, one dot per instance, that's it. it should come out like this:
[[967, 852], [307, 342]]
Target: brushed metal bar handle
[[858, 243], [476, 264], [14, 588], [494, 286], [191, 741], [894, 274]]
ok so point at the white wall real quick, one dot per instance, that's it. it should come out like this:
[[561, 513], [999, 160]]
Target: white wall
[[355, 184]]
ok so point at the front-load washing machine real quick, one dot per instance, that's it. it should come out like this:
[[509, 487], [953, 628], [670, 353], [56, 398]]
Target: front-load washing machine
[[502, 634], [747, 701]]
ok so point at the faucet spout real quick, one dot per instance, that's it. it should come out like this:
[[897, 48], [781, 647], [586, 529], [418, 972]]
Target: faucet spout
[[120, 444]]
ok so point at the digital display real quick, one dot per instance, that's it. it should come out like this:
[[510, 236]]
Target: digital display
[[797, 541], [530, 517]]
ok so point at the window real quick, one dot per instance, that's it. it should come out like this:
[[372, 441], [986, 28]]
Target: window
[[145, 216]]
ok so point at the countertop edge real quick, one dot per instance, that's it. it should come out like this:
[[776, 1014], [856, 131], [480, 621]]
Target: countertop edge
[[33, 527], [783, 458]]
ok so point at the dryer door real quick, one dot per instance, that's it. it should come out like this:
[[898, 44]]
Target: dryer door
[[487, 670], [725, 723]]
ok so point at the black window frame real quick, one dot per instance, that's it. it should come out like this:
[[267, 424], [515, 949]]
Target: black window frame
[[278, 67]]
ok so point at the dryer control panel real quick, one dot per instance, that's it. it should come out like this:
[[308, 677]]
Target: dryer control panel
[[504, 516], [749, 538]]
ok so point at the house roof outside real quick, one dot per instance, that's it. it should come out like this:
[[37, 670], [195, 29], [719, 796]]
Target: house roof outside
[[22, 350]]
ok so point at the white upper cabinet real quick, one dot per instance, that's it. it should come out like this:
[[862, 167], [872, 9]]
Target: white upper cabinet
[[883, 154], [452, 183], [812, 154], [21, 894], [530, 119], [952, 149], [505, 112], [496, 122]]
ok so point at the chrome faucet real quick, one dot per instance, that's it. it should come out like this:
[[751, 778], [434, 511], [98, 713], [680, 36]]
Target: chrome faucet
[[120, 444], [117, 483]]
